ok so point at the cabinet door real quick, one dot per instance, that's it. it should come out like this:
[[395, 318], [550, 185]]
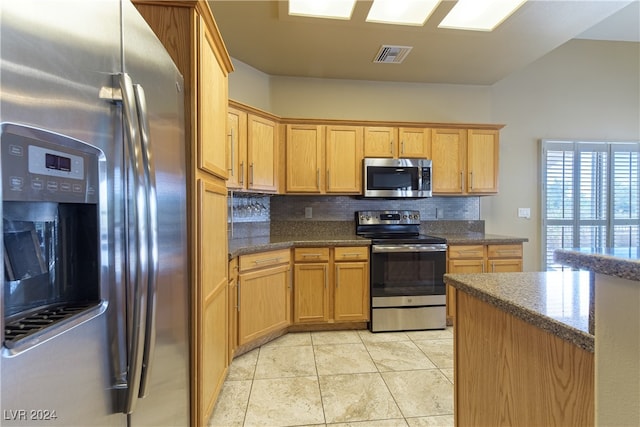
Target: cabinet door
[[351, 298], [344, 159], [262, 137], [482, 161], [212, 107], [380, 141], [414, 142], [311, 294], [211, 293], [305, 160], [237, 148], [448, 155], [233, 308], [264, 304]]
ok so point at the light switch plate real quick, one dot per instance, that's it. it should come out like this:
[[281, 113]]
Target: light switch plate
[[524, 213], [308, 212]]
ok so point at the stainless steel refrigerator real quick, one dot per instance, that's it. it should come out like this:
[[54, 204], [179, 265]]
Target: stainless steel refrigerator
[[94, 302]]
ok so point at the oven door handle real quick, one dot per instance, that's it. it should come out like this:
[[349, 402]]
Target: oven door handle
[[408, 248]]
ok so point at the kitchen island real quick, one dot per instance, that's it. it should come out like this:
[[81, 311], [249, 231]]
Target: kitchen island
[[616, 277], [523, 354]]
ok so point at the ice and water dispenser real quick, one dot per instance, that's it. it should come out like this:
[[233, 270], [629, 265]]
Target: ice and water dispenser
[[51, 236]]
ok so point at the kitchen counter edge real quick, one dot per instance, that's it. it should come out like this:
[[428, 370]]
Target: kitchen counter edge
[[251, 245], [600, 261], [519, 303]]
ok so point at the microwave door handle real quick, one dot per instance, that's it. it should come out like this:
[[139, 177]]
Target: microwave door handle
[[139, 280], [152, 240], [419, 179]]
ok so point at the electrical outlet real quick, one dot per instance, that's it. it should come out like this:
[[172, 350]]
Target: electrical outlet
[[524, 213], [308, 212]]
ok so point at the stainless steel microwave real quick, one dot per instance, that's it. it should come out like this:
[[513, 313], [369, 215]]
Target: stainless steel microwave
[[397, 178]]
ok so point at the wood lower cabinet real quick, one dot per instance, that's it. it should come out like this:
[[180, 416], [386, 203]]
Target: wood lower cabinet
[[211, 304], [311, 285], [264, 294], [510, 372], [233, 307], [331, 284], [492, 258], [351, 299]]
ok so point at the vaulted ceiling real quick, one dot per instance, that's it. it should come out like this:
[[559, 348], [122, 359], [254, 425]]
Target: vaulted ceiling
[[263, 35]]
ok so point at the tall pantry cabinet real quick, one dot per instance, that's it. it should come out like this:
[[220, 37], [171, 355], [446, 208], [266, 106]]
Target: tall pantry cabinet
[[190, 35]]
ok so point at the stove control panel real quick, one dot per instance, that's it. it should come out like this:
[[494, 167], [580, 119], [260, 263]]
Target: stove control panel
[[387, 217]]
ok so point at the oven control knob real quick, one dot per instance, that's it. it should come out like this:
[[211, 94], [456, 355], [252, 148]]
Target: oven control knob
[[404, 217]]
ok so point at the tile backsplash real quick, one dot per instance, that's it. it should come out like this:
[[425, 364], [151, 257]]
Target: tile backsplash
[[260, 215], [342, 208]]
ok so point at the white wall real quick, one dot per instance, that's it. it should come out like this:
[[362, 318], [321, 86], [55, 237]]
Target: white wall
[[583, 89]]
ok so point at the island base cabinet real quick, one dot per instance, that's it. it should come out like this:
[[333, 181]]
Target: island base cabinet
[[508, 372]]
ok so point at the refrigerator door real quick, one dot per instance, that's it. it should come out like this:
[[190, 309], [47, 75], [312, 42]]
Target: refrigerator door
[[56, 56], [165, 374]]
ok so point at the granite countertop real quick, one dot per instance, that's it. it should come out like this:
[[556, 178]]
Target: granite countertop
[[474, 238], [557, 302], [265, 243], [332, 237], [619, 262], [243, 246]]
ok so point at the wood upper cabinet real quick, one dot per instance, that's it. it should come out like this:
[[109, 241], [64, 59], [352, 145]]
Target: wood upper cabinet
[[212, 106], [252, 146], [305, 158], [414, 142], [392, 142], [449, 160], [482, 161], [262, 154], [237, 149], [344, 148], [380, 141], [324, 159], [465, 161]]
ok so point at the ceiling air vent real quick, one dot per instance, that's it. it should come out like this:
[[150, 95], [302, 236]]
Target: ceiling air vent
[[392, 54]]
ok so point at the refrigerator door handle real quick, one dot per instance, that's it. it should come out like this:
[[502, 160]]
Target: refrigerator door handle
[[139, 207], [152, 238]]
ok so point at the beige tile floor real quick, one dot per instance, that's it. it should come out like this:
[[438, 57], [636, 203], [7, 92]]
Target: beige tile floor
[[342, 378]]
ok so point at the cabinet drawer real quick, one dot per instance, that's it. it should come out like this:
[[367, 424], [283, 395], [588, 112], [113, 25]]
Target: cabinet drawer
[[264, 259], [355, 253], [311, 254], [466, 251], [504, 251]]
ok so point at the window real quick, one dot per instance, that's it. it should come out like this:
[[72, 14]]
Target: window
[[590, 196]]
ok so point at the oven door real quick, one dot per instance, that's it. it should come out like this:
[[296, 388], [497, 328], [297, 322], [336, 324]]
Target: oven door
[[407, 274]]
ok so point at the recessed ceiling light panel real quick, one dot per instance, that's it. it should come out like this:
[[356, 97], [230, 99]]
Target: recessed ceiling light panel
[[402, 12], [479, 15], [333, 9]]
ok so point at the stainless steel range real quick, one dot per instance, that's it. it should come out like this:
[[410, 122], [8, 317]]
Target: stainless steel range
[[407, 269]]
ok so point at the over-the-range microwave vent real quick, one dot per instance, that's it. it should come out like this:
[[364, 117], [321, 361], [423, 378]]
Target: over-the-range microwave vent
[[389, 54]]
